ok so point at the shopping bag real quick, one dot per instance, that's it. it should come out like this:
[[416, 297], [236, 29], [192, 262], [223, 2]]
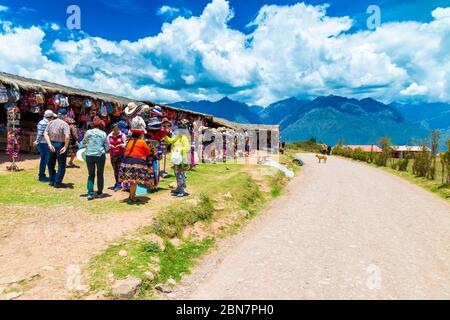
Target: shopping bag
[[177, 158]]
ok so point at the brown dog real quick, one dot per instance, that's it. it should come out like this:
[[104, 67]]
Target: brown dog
[[320, 157]]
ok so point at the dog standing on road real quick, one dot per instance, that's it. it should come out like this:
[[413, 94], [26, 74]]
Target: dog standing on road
[[321, 157]]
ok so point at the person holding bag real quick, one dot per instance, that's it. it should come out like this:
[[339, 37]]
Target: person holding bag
[[97, 145], [181, 148]]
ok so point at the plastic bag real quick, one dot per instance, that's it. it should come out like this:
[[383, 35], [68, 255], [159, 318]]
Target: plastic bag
[[177, 158]]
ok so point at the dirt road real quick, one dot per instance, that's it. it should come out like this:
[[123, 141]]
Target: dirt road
[[342, 230]]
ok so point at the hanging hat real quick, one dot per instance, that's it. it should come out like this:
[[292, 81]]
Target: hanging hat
[[133, 109], [157, 111], [154, 124], [165, 120]]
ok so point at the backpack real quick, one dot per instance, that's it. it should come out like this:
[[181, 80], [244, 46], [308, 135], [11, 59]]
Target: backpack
[[3, 94]]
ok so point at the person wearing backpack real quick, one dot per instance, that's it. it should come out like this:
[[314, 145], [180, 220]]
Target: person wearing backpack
[[181, 148]]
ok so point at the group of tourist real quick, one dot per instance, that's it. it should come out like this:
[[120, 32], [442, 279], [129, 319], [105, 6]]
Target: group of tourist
[[135, 150]]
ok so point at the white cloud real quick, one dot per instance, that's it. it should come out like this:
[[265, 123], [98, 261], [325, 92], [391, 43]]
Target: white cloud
[[3, 8], [55, 27], [291, 51], [414, 90], [172, 12], [441, 13]]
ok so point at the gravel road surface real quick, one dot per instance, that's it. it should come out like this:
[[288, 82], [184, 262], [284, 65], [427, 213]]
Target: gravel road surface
[[341, 230]]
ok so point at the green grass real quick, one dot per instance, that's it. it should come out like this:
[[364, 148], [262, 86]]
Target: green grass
[[23, 188], [175, 218]]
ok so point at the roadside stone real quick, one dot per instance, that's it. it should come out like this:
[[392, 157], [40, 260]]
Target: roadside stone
[[127, 288], [228, 195], [171, 282], [48, 268], [13, 295], [149, 275], [173, 185], [123, 253], [243, 214], [176, 242], [155, 267], [164, 288], [116, 244], [193, 202], [155, 259], [219, 207]]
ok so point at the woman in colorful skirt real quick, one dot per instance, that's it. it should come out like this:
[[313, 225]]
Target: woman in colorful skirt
[[117, 142], [134, 169]]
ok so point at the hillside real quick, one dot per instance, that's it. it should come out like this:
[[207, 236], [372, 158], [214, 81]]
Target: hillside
[[328, 119], [224, 108]]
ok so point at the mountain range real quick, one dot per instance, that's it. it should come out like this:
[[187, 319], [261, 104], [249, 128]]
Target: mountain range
[[334, 118]]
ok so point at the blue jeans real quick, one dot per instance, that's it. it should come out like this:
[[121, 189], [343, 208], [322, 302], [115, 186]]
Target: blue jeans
[[56, 178], [44, 153], [95, 164]]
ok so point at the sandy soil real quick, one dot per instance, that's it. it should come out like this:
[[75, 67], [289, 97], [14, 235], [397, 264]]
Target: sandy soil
[[342, 230]]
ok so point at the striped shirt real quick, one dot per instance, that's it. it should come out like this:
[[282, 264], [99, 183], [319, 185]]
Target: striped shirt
[[58, 130], [42, 125]]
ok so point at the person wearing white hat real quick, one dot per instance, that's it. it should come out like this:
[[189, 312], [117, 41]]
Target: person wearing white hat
[[133, 110], [41, 144]]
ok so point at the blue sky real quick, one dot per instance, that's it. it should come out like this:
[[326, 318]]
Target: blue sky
[[253, 51], [135, 19]]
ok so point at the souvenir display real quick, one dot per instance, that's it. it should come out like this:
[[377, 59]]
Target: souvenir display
[[3, 94], [13, 137]]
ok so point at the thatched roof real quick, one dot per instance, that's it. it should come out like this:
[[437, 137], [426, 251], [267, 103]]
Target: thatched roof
[[27, 84], [234, 125]]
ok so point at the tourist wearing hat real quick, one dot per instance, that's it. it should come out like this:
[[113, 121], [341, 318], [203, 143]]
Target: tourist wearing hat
[[134, 170], [180, 145], [73, 145], [97, 145], [42, 146], [57, 136], [117, 141]]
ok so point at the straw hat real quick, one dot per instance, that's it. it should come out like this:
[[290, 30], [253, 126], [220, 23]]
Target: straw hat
[[133, 109]]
